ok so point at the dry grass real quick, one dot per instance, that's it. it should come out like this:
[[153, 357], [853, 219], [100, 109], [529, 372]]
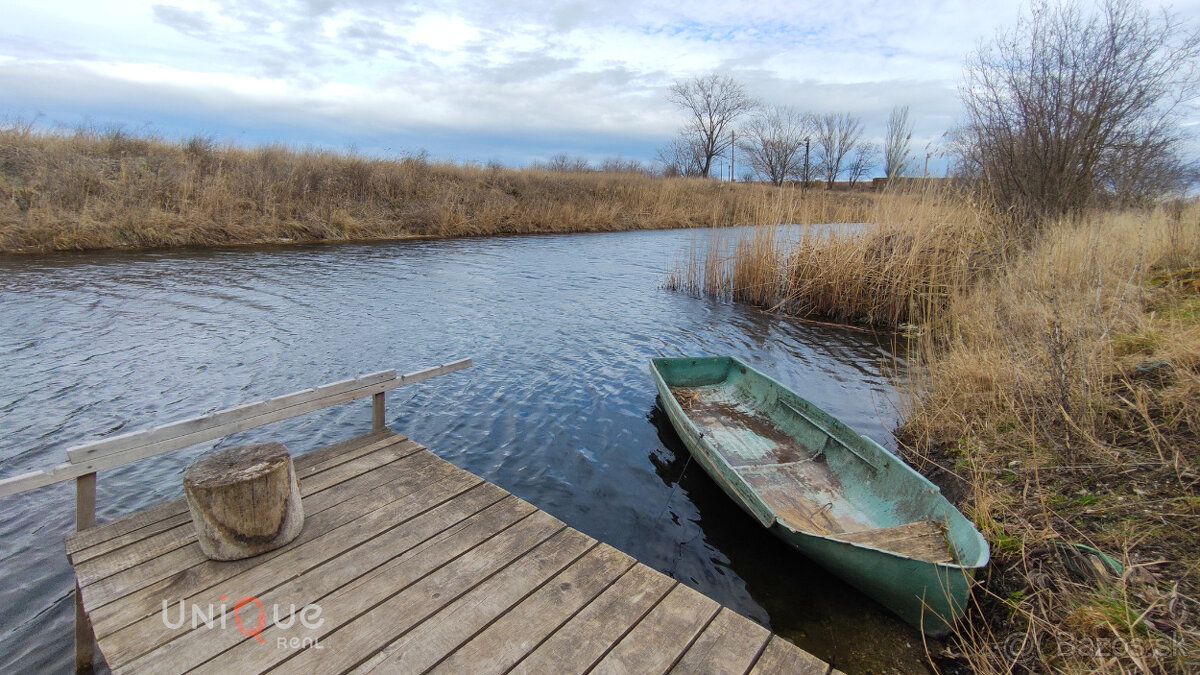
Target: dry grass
[[1056, 397], [109, 189], [1066, 402]]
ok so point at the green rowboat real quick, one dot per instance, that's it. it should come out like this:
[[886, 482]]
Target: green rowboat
[[833, 494]]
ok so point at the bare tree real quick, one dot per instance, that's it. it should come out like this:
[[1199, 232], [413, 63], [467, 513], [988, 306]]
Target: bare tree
[[861, 160], [836, 136], [1071, 103], [682, 156], [714, 103], [897, 151], [773, 142], [564, 162], [619, 164]]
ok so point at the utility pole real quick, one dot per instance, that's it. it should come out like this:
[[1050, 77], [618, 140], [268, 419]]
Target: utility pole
[[804, 178], [732, 153]]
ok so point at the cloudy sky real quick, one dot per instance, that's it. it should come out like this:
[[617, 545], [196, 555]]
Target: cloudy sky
[[472, 80]]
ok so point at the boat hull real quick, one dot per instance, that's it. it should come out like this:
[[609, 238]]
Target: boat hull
[[928, 595]]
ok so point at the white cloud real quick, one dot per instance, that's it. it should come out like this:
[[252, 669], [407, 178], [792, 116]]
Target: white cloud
[[570, 69]]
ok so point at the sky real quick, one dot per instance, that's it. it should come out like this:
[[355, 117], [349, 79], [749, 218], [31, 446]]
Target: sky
[[472, 81]]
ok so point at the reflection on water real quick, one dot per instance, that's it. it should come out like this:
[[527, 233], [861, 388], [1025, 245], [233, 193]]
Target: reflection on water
[[561, 329]]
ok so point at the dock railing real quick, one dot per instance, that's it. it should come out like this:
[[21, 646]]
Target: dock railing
[[83, 461]]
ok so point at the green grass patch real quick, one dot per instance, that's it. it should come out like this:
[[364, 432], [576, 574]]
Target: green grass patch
[[1140, 342]]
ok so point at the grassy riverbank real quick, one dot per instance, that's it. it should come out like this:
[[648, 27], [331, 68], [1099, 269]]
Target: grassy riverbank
[[92, 190], [1056, 398]]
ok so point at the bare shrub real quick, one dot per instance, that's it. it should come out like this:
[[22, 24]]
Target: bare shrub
[[1069, 105]]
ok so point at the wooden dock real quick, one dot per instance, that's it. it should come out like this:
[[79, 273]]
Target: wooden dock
[[405, 564], [416, 566]]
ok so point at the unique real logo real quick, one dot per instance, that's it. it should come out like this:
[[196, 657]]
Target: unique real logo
[[250, 619]]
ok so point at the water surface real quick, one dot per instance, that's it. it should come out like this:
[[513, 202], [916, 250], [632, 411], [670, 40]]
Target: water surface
[[559, 408]]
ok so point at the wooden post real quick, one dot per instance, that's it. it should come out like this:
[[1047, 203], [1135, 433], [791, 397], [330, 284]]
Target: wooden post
[[379, 412], [85, 517]]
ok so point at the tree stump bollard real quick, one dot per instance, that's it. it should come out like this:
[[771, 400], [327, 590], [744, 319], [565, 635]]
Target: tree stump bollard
[[244, 501]]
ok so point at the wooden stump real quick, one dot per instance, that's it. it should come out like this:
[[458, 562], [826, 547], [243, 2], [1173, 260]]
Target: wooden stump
[[244, 501]]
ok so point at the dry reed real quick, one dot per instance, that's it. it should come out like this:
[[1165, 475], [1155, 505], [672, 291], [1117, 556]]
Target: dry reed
[[110, 189]]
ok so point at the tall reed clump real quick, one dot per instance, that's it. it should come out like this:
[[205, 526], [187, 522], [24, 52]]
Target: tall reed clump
[[109, 188], [902, 266], [1053, 391]]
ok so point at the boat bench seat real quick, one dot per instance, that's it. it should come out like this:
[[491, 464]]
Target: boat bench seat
[[923, 540]]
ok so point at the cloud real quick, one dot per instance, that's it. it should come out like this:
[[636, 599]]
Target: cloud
[[188, 22], [562, 72]]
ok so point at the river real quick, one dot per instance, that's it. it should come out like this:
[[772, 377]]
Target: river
[[559, 408]]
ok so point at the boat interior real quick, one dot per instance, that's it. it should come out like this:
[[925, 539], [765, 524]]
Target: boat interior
[[790, 469]]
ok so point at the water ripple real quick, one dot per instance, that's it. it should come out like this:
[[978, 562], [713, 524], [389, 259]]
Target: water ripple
[[559, 408]]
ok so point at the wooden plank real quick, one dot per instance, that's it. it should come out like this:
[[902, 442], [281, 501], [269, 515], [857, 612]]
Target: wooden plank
[[354, 598], [183, 560], [525, 626], [201, 423], [424, 646], [579, 643], [140, 534], [142, 593], [124, 558], [730, 644], [298, 578], [158, 539], [785, 658], [923, 540], [119, 457], [336, 475], [114, 457], [127, 455], [658, 640], [314, 462], [306, 463], [350, 644]]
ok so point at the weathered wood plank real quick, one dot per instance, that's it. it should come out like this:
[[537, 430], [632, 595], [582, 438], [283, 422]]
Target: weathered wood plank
[[658, 640], [178, 565], [371, 631], [201, 423], [525, 626], [923, 540], [579, 643], [353, 599], [314, 483], [125, 456], [114, 457], [94, 569], [439, 635], [311, 463], [785, 658], [308, 573], [730, 644]]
